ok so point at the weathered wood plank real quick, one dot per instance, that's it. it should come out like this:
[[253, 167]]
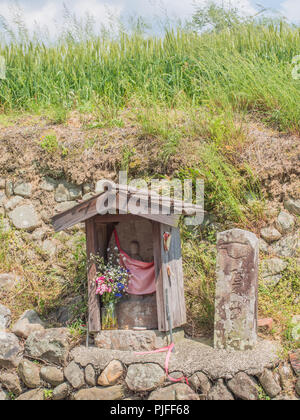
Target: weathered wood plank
[[111, 218], [175, 259], [94, 316], [78, 214], [160, 297], [143, 202], [116, 218], [172, 273]]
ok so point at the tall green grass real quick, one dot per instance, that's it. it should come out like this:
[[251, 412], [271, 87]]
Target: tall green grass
[[245, 68]]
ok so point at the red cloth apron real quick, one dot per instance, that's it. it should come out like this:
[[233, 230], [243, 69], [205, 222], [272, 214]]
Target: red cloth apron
[[142, 274]]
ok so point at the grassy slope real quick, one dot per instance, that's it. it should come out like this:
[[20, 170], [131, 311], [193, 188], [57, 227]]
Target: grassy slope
[[245, 69], [184, 89]]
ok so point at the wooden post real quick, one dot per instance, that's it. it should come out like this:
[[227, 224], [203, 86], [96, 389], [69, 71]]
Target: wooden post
[[160, 299], [94, 317], [169, 276]]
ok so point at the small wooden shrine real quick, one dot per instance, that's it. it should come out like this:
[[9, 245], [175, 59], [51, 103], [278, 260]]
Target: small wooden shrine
[[158, 238]]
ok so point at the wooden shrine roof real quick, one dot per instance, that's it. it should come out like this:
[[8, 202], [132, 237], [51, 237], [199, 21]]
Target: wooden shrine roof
[[168, 208]]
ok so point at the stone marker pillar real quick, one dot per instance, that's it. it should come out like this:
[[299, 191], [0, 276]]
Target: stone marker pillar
[[236, 290]]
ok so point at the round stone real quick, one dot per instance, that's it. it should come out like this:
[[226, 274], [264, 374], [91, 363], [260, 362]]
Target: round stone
[[144, 377]]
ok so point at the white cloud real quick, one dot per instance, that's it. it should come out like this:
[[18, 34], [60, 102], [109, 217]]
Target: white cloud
[[98, 9], [48, 13], [291, 10], [42, 14]]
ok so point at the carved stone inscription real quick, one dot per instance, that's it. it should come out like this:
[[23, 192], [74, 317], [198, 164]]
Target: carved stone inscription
[[236, 290]]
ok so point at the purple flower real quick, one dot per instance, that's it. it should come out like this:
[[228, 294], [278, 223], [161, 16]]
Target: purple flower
[[121, 286], [118, 295]]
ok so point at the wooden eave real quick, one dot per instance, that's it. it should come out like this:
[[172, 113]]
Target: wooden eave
[[88, 209]]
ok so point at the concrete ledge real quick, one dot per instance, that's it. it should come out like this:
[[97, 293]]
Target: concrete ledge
[[189, 357], [131, 340]]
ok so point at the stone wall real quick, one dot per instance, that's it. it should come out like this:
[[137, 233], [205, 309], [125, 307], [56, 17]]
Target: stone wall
[[279, 241], [30, 205], [42, 364]]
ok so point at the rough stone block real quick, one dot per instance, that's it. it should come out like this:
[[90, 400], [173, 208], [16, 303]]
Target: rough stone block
[[111, 393], [34, 395], [52, 375], [200, 383], [285, 222], [10, 351], [48, 184], [61, 392], [243, 387], [11, 382], [74, 375], [270, 234], [13, 203], [5, 317], [50, 345], [293, 206], [111, 374], [176, 392], [295, 361], [236, 290], [219, 392], [130, 340], [24, 189], [90, 375], [24, 217], [144, 377], [271, 387], [29, 373], [28, 323]]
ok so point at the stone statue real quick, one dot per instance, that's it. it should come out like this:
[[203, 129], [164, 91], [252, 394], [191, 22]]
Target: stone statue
[[134, 251], [236, 290]]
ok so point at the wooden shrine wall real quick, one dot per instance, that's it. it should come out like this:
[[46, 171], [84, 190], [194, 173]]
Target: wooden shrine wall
[[169, 277]]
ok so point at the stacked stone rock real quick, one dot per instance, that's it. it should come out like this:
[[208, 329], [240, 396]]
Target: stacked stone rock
[[29, 206], [281, 240], [38, 364]]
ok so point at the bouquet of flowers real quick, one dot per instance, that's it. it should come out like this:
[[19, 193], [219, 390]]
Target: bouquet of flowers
[[112, 284]]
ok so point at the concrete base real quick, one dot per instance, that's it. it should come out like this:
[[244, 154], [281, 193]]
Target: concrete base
[[189, 357], [137, 311], [130, 340]]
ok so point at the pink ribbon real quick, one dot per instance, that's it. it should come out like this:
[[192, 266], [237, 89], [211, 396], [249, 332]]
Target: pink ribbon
[[169, 350]]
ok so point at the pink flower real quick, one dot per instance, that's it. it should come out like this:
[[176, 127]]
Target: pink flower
[[100, 279]]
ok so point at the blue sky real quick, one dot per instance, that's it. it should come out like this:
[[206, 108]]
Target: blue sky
[[48, 12]]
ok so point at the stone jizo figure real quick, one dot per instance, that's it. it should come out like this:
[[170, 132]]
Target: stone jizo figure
[[236, 290], [134, 251]]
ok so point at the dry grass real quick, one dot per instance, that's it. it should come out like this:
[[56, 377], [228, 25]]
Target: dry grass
[[43, 283], [281, 303], [274, 160], [199, 263]]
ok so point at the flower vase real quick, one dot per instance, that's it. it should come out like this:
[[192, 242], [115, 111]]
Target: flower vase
[[109, 316]]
